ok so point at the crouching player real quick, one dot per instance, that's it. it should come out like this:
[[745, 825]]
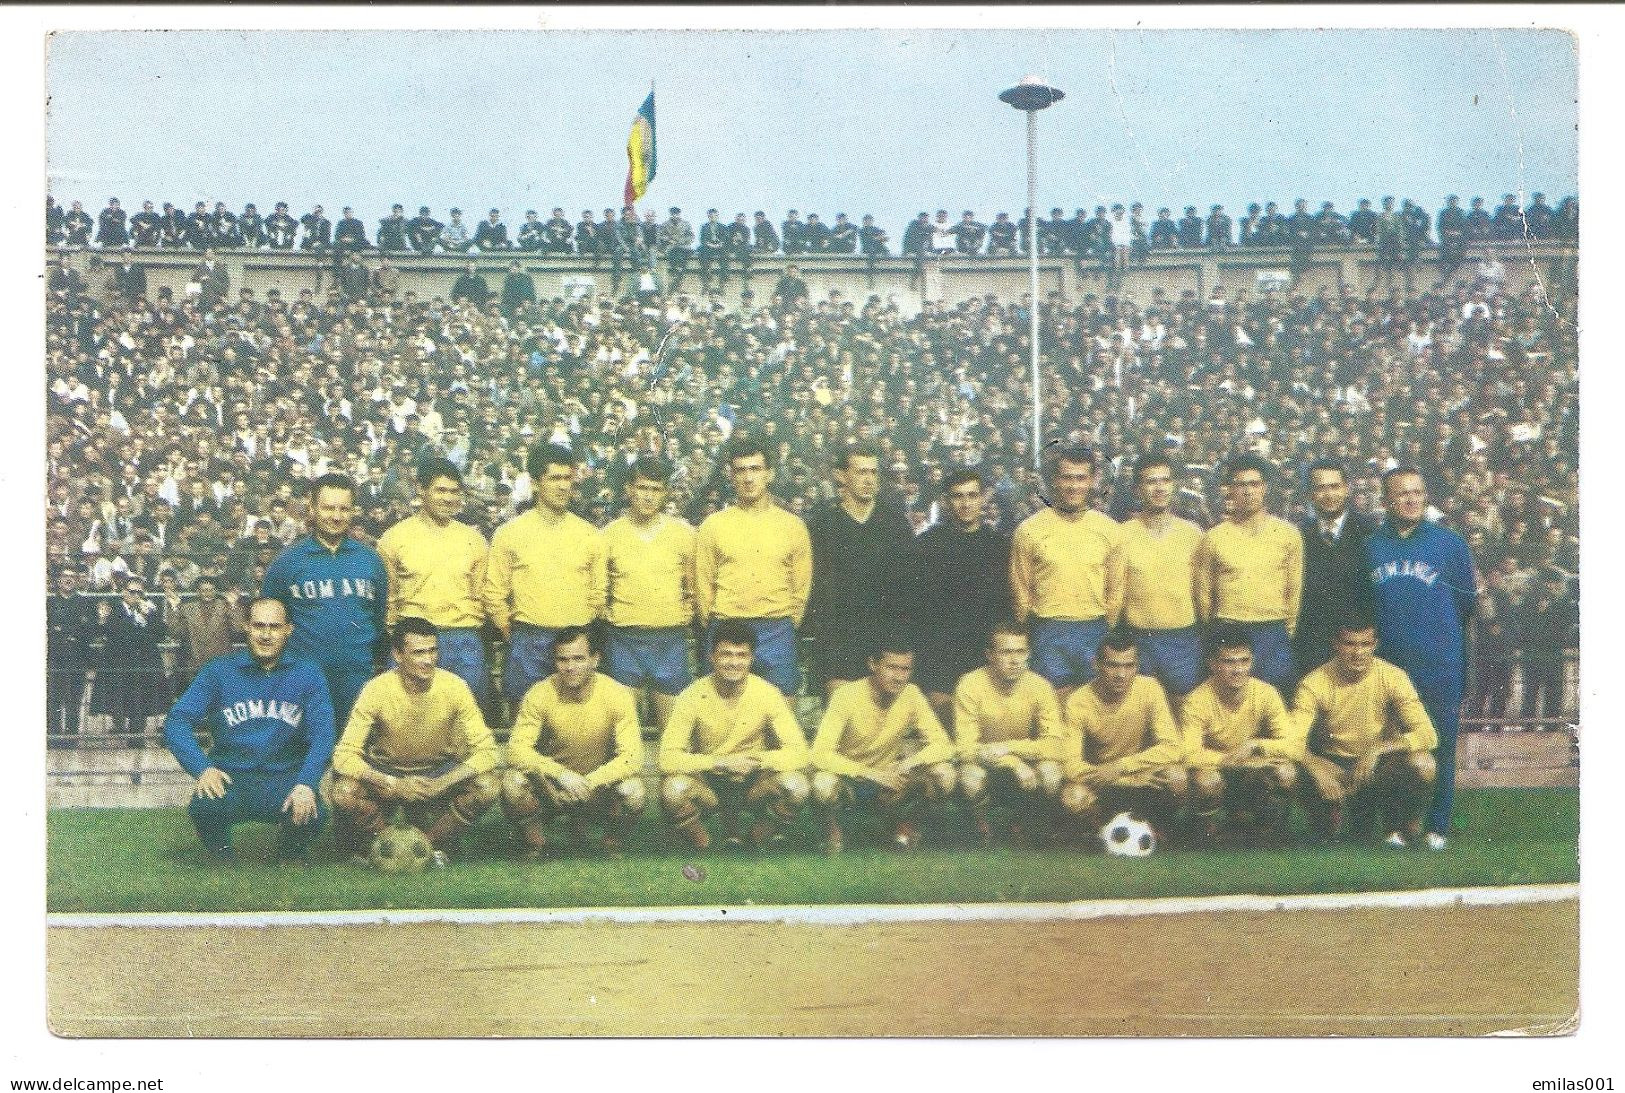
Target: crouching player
[[272, 721], [1007, 730], [1241, 745], [575, 750], [1122, 750], [1370, 741], [416, 739], [731, 745], [859, 754]]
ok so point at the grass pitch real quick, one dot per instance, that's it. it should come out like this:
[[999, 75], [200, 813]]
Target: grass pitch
[[128, 860]]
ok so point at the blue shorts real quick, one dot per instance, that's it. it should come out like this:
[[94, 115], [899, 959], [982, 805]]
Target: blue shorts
[[648, 656], [462, 653], [1064, 650], [1272, 654], [775, 652], [1173, 657], [530, 659]]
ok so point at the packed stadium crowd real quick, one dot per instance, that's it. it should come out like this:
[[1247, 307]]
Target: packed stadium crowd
[[1119, 226]]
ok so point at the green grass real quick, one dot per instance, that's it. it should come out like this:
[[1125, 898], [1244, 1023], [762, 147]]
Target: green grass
[[150, 860]]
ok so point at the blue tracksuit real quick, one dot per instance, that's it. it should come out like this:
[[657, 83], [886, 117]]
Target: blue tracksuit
[[1425, 592], [273, 730], [336, 601]]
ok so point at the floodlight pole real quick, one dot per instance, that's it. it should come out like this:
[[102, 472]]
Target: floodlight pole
[[1030, 96]]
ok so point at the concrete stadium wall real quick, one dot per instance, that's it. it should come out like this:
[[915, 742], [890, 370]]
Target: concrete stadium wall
[[947, 280]]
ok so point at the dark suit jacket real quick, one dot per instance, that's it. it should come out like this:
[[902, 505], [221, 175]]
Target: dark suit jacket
[[1334, 580]]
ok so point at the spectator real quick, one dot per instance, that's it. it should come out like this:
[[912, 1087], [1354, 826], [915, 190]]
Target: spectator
[[470, 287], [492, 234]]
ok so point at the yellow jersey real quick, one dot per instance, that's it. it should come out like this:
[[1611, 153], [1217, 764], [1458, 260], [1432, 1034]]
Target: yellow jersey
[[1159, 591], [435, 573], [396, 731], [1066, 568], [858, 736], [597, 737], [752, 564], [651, 572], [704, 727], [1251, 573], [1137, 734], [1346, 720], [545, 572], [1213, 730], [1027, 717]]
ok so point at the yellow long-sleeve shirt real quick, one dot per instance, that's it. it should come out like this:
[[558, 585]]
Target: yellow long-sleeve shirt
[[704, 727], [1355, 717], [1068, 569], [435, 573], [545, 572], [858, 736], [651, 572], [752, 564], [394, 730], [1159, 589], [1137, 734], [1028, 718], [1213, 730], [597, 737], [1251, 574]]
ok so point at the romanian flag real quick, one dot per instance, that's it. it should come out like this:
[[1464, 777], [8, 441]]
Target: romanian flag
[[640, 151]]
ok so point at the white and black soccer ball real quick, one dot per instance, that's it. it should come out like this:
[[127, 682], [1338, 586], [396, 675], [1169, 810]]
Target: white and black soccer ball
[[1128, 836], [401, 850]]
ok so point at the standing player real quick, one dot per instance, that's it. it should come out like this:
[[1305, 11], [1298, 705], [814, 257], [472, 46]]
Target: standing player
[[416, 739], [546, 572], [1122, 749], [1159, 598], [961, 574], [1008, 731], [1425, 587], [436, 568], [859, 754], [753, 564], [575, 750], [1370, 737], [1334, 569], [858, 546], [1241, 745], [272, 724], [732, 744], [1249, 571], [649, 558], [336, 593], [1066, 573]]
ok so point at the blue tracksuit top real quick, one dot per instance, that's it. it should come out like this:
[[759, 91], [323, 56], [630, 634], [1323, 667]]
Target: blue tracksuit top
[[336, 601], [1425, 588], [264, 721]]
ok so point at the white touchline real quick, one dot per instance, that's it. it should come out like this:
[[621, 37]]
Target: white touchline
[[841, 914]]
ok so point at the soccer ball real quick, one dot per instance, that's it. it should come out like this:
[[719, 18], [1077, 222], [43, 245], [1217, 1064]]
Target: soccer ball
[[1128, 837], [401, 850]]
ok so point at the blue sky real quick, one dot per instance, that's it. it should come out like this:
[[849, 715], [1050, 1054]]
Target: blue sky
[[888, 122]]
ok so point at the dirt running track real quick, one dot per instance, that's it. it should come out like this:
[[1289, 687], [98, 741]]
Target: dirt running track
[[1443, 972]]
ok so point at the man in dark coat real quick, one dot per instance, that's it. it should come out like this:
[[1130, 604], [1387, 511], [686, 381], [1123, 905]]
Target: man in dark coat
[[470, 286], [1335, 583]]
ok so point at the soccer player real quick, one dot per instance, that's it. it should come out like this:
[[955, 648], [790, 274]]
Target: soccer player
[[272, 724], [1249, 570], [1122, 749], [1425, 587], [731, 745], [649, 557], [336, 593], [858, 546], [961, 575], [1370, 737], [1007, 728], [753, 564], [1241, 745], [1334, 569], [436, 568], [575, 750], [863, 753], [1066, 573], [416, 739], [546, 572], [1159, 599]]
